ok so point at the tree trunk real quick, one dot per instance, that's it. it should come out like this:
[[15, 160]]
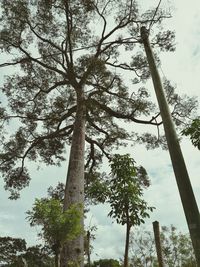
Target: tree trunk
[[182, 178], [73, 251], [57, 259], [88, 248], [158, 243], [128, 228]]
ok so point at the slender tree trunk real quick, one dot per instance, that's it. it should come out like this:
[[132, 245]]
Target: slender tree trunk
[[73, 251], [88, 248], [128, 228], [158, 243], [182, 178], [57, 259]]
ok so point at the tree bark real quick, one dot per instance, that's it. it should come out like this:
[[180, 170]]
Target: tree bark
[[182, 178], [128, 228], [73, 251], [57, 260], [88, 248], [158, 243]]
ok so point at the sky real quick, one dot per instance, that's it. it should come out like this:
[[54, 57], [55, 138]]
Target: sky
[[183, 68]]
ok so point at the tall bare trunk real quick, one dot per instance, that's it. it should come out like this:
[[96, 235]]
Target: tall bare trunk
[[73, 251], [182, 178]]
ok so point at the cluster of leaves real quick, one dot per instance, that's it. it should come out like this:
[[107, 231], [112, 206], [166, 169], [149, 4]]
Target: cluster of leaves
[[10, 247], [105, 263], [58, 226], [193, 131]]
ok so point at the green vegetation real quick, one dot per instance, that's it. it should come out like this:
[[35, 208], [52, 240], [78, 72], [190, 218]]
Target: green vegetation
[[193, 131]]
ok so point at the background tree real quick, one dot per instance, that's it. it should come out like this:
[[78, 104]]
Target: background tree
[[56, 91], [39, 256], [177, 248], [126, 195], [193, 131], [10, 249]]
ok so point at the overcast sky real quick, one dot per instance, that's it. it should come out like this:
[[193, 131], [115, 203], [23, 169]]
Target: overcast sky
[[183, 68]]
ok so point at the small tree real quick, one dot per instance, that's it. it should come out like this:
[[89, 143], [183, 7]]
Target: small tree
[[57, 226], [125, 198]]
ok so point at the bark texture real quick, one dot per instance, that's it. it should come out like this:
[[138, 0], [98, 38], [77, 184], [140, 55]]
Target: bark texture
[[128, 228], [74, 192]]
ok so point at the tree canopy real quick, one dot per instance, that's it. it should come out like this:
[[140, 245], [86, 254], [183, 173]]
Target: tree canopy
[[68, 87], [54, 48]]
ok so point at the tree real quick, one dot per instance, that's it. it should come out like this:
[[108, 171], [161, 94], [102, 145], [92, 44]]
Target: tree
[[125, 198], [60, 95], [13, 252], [38, 256], [177, 248], [10, 249], [57, 226], [193, 131]]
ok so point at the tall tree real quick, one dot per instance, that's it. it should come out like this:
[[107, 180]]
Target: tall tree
[[65, 88], [126, 195], [187, 196]]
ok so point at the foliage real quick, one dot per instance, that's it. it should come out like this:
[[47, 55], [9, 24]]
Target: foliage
[[105, 263], [57, 225], [13, 252], [38, 256], [176, 246], [126, 191], [193, 131], [10, 248]]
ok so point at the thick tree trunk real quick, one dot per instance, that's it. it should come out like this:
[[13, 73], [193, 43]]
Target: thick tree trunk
[[182, 178], [128, 228], [73, 251]]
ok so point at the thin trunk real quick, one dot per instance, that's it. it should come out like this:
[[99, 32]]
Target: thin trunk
[[73, 251], [182, 178], [128, 228], [158, 243], [57, 259], [88, 248]]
